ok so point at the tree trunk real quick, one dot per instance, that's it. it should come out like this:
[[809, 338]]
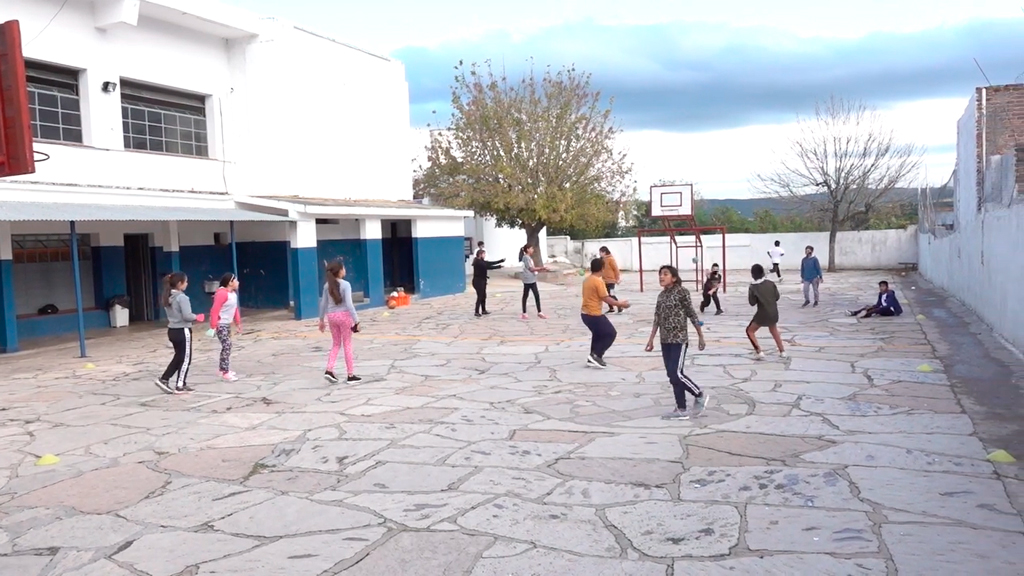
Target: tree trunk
[[833, 231], [533, 239]]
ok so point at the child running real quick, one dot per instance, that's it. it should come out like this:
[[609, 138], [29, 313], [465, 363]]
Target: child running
[[225, 311], [480, 268], [602, 332], [178, 309], [611, 274], [764, 294], [337, 308], [673, 309], [530, 280], [710, 291], [776, 254]]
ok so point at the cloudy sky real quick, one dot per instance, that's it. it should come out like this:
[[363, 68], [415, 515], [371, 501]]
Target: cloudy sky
[[704, 93]]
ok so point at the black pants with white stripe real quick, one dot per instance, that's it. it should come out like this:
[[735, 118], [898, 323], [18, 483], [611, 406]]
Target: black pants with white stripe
[[181, 339], [674, 356]]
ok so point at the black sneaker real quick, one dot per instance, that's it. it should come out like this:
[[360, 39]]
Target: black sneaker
[[186, 389], [330, 377], [719, 312], [478, 315], [806, 303], [596, 361], [815, 304], [164, 386], [353, 378], [486, 313]]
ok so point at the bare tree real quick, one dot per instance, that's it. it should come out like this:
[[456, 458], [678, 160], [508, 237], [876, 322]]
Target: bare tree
[[840, 166], [531, 153]]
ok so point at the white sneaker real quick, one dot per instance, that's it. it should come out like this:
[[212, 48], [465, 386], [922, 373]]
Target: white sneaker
[[229, 376], [758, 355], [783, 355], [700, 404]]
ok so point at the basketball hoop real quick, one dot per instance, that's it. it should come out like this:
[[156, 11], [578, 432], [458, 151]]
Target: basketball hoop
[[44, 155]]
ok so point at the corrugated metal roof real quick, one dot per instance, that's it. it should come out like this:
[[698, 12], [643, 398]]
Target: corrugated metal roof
[[341, 203], [64, 212]]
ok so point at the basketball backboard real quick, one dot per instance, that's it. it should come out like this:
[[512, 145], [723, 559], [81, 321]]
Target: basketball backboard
[[671, 200]]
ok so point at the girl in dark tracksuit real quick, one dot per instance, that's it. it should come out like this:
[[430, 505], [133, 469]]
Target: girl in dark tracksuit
[[671, 314], [480, 269], [179, 331]]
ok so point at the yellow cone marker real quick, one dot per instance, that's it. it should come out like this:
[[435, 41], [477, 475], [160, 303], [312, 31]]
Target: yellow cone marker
[[386, 314], [920, 316], [90, 366], [47, 460], [1001, 456], [924, 368]]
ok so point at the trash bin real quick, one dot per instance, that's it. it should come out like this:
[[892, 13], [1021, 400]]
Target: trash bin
[[118, 307]]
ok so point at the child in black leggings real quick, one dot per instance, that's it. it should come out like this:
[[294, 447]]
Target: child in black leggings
[[530, 280], [480, 268], [179, 331]]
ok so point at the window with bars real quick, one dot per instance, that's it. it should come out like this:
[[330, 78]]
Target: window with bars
[[44, 248], [161, 120], [54, 103]]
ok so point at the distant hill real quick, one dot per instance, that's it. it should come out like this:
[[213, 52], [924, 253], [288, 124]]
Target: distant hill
[[747, 206]]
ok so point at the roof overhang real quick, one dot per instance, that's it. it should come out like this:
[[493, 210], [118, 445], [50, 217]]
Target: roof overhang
[[299, 207], [16, 211], [212, 18]]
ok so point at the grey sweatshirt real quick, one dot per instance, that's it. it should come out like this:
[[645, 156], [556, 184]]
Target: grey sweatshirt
[[327, 305], [179, 313]]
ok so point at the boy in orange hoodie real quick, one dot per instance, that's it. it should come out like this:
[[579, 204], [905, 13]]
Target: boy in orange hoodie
[[610, 274]]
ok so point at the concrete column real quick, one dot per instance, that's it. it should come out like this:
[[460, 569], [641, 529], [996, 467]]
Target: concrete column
[[108, 268], [370, 235], [8, 311], [167, 259], [305, 269]]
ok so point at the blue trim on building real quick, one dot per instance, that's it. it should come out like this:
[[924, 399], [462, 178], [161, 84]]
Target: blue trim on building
[[109, 274], [440, 266], [374, 251], [60, 324], [8, 311], [306, 282]]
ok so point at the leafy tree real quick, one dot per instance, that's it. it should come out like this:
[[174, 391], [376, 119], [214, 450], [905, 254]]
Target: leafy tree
[[531, 153], [840, 166]]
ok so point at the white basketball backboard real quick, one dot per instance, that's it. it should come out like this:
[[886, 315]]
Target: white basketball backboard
[[672, 200]]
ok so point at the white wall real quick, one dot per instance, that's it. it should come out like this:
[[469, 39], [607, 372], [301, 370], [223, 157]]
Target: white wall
[[867, 250], [438, 228], [288, 112], [980, 262], [502, 242]]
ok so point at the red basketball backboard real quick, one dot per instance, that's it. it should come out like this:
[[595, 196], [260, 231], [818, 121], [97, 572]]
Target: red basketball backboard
[[15, 124]]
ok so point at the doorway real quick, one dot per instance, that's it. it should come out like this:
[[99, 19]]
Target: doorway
[[398, 255], [138, 270]]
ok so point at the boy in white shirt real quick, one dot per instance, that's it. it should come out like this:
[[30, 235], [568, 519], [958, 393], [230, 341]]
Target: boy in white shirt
[[776, 255]]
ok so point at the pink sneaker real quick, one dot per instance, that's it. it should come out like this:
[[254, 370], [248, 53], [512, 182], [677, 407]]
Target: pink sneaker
[[525, 316], [542, 317], [229, 376]]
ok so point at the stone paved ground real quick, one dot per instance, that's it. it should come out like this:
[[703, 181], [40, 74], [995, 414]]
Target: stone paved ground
[[486, 447]]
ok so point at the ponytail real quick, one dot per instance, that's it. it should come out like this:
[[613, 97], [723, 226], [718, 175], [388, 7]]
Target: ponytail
[[171, 282], [333, 286]]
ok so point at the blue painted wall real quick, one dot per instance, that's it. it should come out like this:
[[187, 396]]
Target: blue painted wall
[[56, 324], [264, 273], [306, 282], [354, 254], [439, 266], [8, 311], [109, 275], [202, 263], [374, 251]]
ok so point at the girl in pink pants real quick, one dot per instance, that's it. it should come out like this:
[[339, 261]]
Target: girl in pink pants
[[338, 311]]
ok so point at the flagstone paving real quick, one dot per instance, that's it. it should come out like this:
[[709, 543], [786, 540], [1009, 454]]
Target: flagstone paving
[[486, 447]]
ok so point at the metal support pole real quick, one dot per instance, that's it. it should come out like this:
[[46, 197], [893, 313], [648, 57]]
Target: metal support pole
[[78, 288], [640, 253], [234, 251]]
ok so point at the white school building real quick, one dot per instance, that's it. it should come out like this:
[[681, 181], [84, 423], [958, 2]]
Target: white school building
[[188, 135]]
